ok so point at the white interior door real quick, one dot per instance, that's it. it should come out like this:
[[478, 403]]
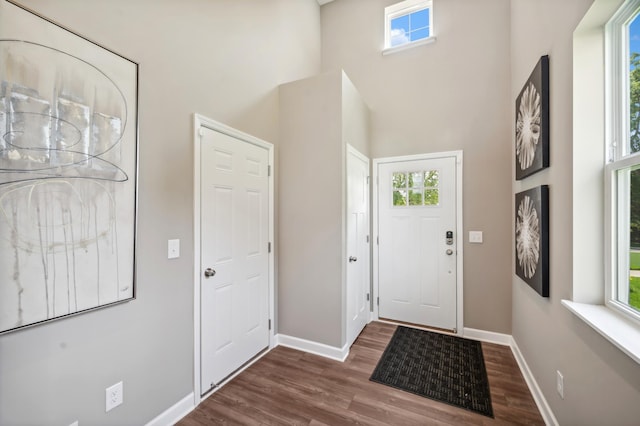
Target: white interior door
[[358, 283], [234, 254], [417, 262]]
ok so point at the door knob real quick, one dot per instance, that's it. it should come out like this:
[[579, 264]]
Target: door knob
[[353, 259], [209, 272], [449, 252]]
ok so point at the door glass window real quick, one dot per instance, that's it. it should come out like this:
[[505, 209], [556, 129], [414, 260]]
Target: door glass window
[[418, 188], [399, 189]]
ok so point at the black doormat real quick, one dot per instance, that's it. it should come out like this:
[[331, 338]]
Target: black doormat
[[437, 366]]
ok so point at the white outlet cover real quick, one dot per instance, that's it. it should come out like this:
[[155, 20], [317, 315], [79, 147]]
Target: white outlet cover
[[173, 249], [114, 396]]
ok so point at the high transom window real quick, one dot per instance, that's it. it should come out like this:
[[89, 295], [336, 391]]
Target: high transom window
[[407, 23]]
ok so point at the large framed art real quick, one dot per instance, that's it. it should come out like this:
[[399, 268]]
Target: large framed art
[[532, 238], [532, 122], [68, 172]]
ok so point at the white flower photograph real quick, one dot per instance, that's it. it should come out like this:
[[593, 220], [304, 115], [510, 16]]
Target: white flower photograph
[[532, 122], [532, 238]]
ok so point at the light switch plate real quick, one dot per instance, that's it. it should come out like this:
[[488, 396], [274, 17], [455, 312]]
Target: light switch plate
[[475, 237], [560, 384], [173, 248]]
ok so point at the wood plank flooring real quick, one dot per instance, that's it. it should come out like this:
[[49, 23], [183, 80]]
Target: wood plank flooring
[[288, 387]]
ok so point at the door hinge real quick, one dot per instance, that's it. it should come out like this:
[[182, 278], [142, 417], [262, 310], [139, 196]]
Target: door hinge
[[378, 301], [201, 131], [269, 324], [367, 238], [378, 240], [269, 247], [367, 297], [269, 170], [367, 180]]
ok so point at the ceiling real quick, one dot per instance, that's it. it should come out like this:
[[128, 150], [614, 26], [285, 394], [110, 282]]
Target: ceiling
[[321, 2]]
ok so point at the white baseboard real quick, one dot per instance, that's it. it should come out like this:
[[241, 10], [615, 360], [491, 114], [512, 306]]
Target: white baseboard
[[507, 340], [339, 354], [536, 392], [487, 336], [183, 407], [174, 413]]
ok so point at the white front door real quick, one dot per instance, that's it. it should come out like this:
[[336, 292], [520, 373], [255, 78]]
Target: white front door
[[234, 311], [417, 265], [357, 243]]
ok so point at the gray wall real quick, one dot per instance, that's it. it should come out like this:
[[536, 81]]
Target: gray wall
[[449, 95], [223, 59], [356, 121], [319, 116], [601, 384], [311, 208]]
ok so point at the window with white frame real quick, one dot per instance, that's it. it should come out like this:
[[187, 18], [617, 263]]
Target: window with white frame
[[415, 188], [622, 169], [408, 23]]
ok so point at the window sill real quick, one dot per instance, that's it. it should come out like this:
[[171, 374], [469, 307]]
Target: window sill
[[390, 50], [612, 326]]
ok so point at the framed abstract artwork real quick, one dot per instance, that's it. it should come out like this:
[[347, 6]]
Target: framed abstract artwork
[[68, 172], [532, 238], [532, 122]]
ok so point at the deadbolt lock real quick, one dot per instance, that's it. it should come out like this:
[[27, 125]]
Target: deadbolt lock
[[449, 238]]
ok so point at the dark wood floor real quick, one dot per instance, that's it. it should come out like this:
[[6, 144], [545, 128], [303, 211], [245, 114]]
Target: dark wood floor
[[295, 388]]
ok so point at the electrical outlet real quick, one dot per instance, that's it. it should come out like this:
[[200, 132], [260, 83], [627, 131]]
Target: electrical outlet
[[114, 396], [560, 384]]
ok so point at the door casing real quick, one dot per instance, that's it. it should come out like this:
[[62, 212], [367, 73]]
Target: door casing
[[459, 235], [198, 122], [352, 151]]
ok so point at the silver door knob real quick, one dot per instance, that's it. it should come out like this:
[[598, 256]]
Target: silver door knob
[[449, 252], [353, 259], [209, 272]]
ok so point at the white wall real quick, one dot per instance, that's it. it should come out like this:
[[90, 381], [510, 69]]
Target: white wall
[[449, 95], [223, 59], [601, 384]]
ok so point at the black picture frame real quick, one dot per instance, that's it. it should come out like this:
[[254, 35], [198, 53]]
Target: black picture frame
[[532, 238], [532, 122]]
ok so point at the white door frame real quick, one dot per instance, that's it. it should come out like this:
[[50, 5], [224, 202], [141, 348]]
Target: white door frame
[[352, 150], [198, 122], [459, 234]]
